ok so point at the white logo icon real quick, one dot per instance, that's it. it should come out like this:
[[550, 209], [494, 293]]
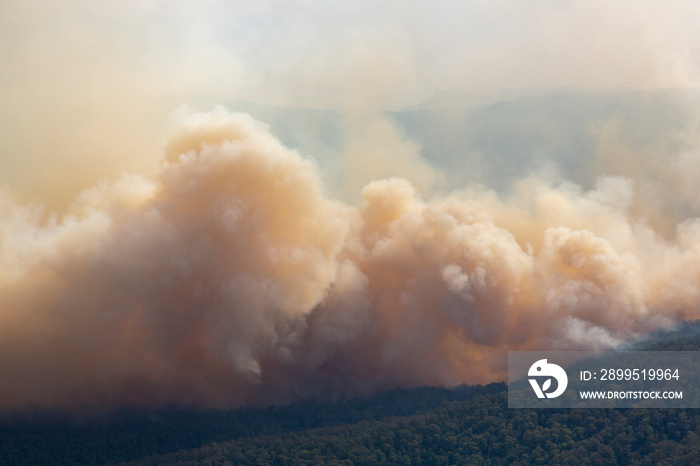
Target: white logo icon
[[543, 369]]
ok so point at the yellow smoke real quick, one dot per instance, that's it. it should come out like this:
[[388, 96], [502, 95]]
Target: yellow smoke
[[230, 277]]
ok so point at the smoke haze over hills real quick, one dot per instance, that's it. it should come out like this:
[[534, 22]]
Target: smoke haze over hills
[[208, 257]]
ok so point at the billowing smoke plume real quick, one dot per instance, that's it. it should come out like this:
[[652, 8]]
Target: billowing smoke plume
[[231, 277]]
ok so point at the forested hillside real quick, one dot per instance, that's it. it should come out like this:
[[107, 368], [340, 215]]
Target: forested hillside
[[427, 425], [479, 431], [128, 434]]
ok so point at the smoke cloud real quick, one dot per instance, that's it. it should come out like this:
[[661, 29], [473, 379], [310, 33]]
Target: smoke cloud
[[231, 277], [86, 84]]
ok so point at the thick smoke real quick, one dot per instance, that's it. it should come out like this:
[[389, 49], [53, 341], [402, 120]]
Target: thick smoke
[[230, 277]]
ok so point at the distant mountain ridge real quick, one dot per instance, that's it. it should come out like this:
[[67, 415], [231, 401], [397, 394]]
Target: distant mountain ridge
[[494, 141], [452, 98], [462, 98]]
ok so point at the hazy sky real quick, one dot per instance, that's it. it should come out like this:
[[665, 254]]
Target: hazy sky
[[86, 85], [320, 53]]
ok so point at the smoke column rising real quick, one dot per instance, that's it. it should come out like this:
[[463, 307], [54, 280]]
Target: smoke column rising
[[230, 277]]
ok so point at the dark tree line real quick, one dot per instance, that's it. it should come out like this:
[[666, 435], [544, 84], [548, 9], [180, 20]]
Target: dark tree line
[[482, 430], [461, 425]]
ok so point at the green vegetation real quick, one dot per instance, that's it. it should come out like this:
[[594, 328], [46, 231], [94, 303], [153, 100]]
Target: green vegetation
[[129, 434], [480, 431], [460, 425]]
